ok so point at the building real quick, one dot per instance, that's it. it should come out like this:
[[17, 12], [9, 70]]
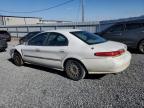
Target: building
[[18, 20], [53, 21]]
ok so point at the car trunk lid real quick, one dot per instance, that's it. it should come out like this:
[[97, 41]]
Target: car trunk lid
[[109, 48]]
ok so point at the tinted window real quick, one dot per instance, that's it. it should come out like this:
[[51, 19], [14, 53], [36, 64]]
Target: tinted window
[[29, 35], [88, 38], [142, 24], [38, 40], [116, 28], [132, 26], [56, 39], [4, 32]]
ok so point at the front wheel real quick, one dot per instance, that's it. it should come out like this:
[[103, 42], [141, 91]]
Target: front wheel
[[141, 46], [2, 49], [75, 70], [17, 59]]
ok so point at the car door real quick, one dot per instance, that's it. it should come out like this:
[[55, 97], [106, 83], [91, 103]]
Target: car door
[[115, 33], [57, 45], [133, 34], [33, 51]]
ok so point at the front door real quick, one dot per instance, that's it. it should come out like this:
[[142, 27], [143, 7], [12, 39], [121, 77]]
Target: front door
[[47, 49], [32, 52]]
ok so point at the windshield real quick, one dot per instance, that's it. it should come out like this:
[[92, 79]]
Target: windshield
[[88, 38]]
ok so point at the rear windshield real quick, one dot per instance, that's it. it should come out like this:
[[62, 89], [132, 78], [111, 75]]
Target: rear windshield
[[4, 33], [88, 38]]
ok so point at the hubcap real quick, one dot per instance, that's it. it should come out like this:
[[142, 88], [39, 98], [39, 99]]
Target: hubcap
[[16, 59], [73, 70]]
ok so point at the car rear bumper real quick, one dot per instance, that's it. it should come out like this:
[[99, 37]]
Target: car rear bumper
[[2, 48], [107, 64], [3, 44]]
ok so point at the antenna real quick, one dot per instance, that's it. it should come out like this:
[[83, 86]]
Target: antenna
[[82, 10]]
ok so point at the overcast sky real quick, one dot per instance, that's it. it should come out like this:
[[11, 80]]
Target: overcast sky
[[94, 9]]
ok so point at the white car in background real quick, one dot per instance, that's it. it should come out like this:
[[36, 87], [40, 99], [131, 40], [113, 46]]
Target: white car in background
[[74, 51]]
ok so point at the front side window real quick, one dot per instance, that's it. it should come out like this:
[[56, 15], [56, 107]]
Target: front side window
[[88, 38], [38, 40], [29, 35], [56, 39], [117, 28]]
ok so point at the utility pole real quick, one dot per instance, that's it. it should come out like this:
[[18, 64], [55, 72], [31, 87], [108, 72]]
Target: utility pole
[[82, 10]]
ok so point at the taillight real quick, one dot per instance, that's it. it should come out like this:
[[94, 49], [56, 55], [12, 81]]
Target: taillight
[[111, 54]]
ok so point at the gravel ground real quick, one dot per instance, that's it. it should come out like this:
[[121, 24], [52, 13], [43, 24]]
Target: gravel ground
[[32, 86]]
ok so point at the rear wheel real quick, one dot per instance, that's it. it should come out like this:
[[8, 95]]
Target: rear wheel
[[17, 59], [75, 70], [141, 46]]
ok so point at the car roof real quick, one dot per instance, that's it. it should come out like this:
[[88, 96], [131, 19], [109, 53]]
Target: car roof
[[35, 31], [63, 30]]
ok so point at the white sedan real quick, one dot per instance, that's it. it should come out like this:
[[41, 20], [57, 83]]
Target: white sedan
[[74, 51]]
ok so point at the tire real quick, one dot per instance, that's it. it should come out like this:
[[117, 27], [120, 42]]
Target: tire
[[2, 49], [75, 70], [17, 59], [3, 45], [141, 46]]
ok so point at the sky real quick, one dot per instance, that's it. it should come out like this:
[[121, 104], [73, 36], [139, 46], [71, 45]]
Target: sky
[[95, 10]]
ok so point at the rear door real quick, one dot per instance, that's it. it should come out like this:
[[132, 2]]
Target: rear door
[[57, 45], [115, 33]]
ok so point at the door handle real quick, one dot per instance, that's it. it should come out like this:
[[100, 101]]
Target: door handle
[[142, 31], [37, 50]]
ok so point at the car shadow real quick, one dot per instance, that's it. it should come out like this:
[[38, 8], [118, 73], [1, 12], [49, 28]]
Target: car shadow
[[46, 69], [10, 60], [134, 51], [94, 76], [58, 72], [3, 51]]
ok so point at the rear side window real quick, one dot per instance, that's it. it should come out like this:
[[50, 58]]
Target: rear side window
[[57, 39], [132, 26], [4, 33]]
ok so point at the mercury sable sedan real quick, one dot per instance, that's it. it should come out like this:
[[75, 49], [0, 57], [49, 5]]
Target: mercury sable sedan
[[74, 51]]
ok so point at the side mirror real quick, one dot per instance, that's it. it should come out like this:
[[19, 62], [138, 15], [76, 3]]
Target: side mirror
[[25, 43]]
